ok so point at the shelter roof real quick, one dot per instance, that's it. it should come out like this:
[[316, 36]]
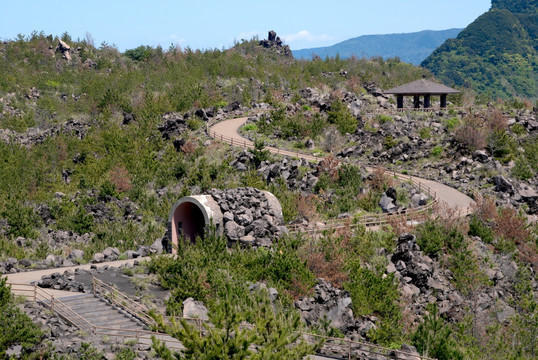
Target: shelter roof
[[421, 87]]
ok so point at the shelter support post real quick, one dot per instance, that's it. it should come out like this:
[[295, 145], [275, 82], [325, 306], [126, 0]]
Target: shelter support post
[[416, 101], [427, 101], [399, 101], [443, 100]]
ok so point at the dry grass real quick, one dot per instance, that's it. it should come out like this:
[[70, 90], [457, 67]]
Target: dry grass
[[120, 178], [329, 165], [380, 180]]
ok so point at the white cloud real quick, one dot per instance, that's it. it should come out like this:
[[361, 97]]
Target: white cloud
[[305, 36]]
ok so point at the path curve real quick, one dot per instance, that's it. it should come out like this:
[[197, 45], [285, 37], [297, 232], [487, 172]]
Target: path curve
[[228, 130]]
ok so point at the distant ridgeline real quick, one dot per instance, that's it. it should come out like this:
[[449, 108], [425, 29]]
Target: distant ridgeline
[[496, 55], [410, 47]]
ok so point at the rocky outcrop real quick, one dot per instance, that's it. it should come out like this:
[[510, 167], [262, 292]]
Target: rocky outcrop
[[59, 281], [274, 42], [250, 216], [172, 126], [33, 136], [328, 304], [64, 49]]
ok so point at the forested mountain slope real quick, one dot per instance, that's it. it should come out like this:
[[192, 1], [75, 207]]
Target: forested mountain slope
[[495, 55], [410, 47]]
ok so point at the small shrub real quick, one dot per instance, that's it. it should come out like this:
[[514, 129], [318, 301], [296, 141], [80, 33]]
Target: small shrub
[[522, 169], [17, 327], [433, 338], [389, 142], [342, 118], [431, 237], [250, 127], [518, 129], [436, 151], [478, 228], [330, 166], [383, 119], [451, 123], [425, 133], [22, 220], [472, 133], [195, 123], [259, 153]]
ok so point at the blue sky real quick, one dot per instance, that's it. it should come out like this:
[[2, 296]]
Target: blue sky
[[205, 24]]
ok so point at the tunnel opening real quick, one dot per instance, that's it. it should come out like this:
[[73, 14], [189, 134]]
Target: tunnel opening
[[188, 223]]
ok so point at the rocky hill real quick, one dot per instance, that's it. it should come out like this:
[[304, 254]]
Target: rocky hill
[[410, 47], [97, 145], [496, 55]]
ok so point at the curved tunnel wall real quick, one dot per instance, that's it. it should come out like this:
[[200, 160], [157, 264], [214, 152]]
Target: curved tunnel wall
[[190, 216], [247, 215]]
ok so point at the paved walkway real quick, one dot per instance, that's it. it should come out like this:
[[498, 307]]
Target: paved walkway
[[30, 277], [228, 131]]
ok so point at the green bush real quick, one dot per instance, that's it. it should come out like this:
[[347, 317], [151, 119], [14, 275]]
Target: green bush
[[431, 237], [436, 151], [451, 123], [433, 338], [373, 294], [478, 228], [518, 129], [522, 169], [22, 220], [140, 53], [383, 119], [390, 142], [15, 326], [340, 116], [425, 133]]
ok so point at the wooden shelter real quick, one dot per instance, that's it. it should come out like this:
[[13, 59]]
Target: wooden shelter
[[420, 88]]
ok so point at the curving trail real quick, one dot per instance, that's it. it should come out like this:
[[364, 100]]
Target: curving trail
[[228, 130]]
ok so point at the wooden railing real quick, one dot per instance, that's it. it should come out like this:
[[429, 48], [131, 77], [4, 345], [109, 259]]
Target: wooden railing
[[36, 294], [404, 110], [368, 220], [119, 299], [344, 346], [347, 347]]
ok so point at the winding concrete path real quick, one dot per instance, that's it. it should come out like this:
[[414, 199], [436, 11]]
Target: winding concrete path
[[228, 131]]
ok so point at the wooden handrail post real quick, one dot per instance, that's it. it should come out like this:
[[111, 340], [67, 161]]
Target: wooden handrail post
[[52, 303], [35, 292], [349, 349]]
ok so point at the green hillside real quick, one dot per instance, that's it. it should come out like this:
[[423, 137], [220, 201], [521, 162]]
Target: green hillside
[[410, 47], [97, 145], [496, 55]]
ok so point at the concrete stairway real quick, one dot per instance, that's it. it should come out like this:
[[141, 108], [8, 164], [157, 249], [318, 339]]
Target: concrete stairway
[[96, 316]]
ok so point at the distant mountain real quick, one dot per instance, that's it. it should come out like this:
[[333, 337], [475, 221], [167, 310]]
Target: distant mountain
[[496, 55], [409, 47]]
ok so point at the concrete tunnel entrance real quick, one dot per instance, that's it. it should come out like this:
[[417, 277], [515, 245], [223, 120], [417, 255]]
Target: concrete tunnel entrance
[[190, 216]]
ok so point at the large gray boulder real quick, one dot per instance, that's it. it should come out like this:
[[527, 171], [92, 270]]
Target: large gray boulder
[[195, 309], [387, 204]]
